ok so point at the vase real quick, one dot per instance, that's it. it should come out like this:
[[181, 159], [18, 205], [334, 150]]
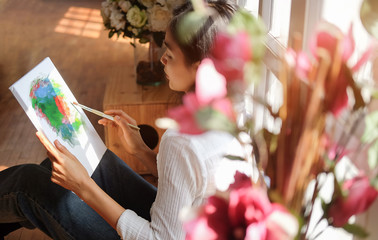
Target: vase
[[148, 68]]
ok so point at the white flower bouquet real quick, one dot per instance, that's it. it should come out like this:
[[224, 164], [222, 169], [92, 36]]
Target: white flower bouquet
[[138, 19]]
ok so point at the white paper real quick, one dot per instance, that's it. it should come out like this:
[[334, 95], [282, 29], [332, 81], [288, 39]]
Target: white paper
[[55, 116]]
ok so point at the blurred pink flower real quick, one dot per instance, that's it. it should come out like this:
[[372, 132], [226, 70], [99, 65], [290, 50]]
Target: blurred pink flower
[[336, 98], [210, 84], [300, 62], [281, 225], [211, 88], [360, 195], [266, 221], [230, 53], [247, 206], [212, 222], [327, 37], [248, 214], [210, 91], [241, 181], [185, 115]]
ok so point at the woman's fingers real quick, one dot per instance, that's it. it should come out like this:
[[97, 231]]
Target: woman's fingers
[[54, 150], [107, 122], [51, 157], [114, 112], [122, 123], [46, 143], [103, 121], [122, 114], [63, 149]]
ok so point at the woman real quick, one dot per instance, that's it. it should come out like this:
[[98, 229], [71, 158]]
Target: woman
[[116, 202]]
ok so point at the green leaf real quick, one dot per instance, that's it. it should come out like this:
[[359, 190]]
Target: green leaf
[[273, 142], [275, 196], [374, 94], [373, 155], [190, 25], [143, 40], [371, 129], [211, 119], [252, 72], [198, 5], [111, 33], [374, 182], [355, 230], [324, 205], [232, 157], [338, 191]]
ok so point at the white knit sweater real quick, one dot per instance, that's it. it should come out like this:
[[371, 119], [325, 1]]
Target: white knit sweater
[[186, 167]]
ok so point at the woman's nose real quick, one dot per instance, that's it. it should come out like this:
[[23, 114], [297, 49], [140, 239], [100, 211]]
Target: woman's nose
[[163, 59]]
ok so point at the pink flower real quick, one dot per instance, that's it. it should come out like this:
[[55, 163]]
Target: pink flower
[[300, 62], [336, 96], [247, 206], [210, 84], [330, 38], [212, 222], [230, 53], [266, 221], [210, 92], [241, 181], [185, 115], [281, 225], [360, 196], [211, 88], [248, 214]]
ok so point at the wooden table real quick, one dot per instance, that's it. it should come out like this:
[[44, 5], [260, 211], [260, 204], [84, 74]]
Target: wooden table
[[143, 103]]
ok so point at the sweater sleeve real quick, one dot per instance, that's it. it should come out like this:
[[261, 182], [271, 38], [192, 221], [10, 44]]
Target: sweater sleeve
[[180, 175]]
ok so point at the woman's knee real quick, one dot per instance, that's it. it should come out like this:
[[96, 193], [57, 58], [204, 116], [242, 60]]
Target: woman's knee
[[32, 174]]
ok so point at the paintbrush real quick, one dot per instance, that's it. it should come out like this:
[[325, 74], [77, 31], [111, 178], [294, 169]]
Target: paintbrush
[[101, 114]]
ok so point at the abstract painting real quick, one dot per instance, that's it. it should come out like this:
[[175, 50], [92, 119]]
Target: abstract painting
[[47, 100], [49, 103]]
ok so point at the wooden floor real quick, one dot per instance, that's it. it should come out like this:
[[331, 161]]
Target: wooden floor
[[71, 33]]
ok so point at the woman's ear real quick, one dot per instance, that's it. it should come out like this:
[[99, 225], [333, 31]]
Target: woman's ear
[[196, 65], [194, 69]]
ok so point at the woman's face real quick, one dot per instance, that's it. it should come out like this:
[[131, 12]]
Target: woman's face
[[181, 76]]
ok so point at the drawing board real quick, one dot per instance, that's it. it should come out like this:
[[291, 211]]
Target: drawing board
[[47, 100]]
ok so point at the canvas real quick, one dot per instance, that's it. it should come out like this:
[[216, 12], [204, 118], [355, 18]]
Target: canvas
[[47, 100]]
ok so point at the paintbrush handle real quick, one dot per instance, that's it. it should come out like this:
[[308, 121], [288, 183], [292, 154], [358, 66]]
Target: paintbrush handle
[[101, 114]]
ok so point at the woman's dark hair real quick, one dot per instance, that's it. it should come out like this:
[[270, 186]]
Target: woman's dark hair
[[201, 43]]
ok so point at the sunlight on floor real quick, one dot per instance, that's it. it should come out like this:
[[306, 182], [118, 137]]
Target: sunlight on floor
[[2, 167], [79, 21]]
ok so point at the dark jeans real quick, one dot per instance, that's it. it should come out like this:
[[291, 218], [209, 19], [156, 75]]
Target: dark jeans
[[28, 196]]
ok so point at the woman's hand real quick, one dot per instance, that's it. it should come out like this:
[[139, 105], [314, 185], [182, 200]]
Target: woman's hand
[[130, 137], [67, 171]]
